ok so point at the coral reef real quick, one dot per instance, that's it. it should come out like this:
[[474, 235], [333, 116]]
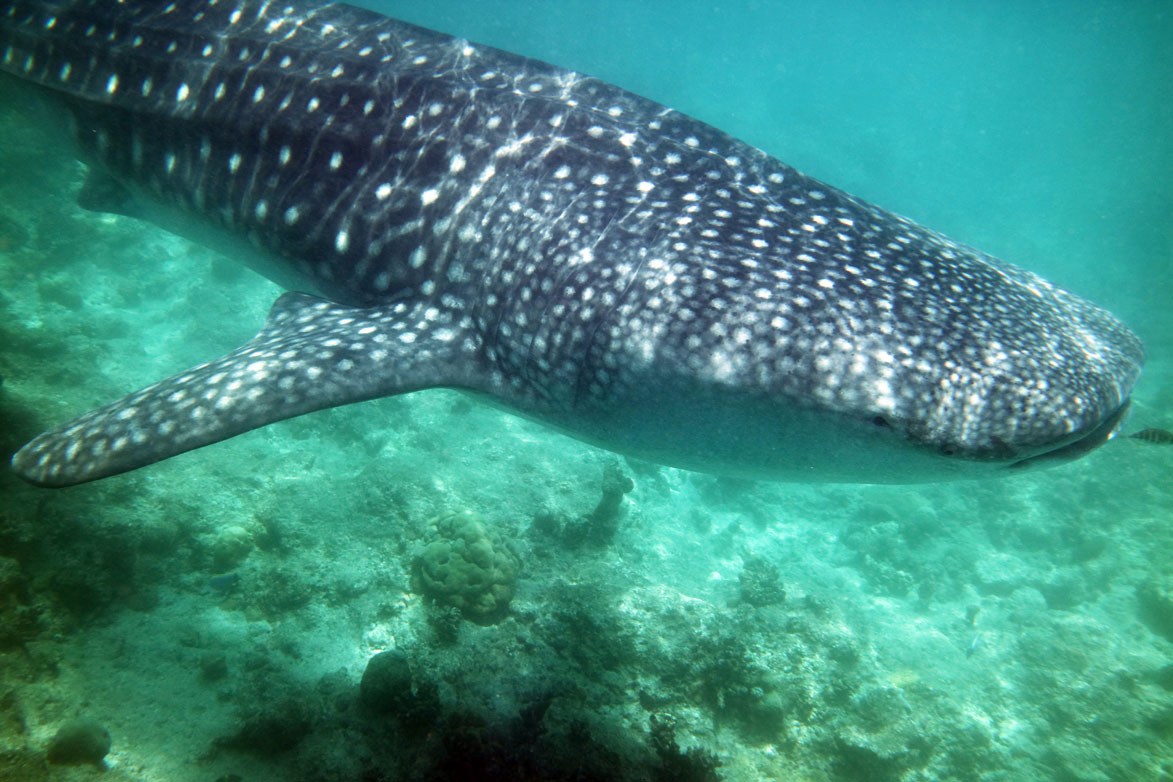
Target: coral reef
[[229, 547], [676, 765], [78, 742], [388, 687], [467, 567], [270, 729], [758, 584], [598, 527]]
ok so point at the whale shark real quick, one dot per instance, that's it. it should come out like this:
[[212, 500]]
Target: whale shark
[[447, 214]]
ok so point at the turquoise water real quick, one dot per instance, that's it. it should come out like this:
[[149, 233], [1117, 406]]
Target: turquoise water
[[216, 612]]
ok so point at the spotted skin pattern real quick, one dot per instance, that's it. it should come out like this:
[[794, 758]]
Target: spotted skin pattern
[[576, 253]]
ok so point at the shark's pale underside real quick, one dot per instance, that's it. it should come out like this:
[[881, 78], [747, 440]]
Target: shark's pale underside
[[453, 215]]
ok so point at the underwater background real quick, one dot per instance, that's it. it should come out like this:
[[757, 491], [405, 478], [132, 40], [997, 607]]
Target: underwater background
[[541, 609]]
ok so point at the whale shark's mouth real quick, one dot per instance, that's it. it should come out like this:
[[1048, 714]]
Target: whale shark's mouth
[[1077, 448]]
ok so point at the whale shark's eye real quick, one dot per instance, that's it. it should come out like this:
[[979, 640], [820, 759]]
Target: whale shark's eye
[[881, 422]]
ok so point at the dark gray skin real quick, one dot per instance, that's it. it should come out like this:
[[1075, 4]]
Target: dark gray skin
[[551, 243]]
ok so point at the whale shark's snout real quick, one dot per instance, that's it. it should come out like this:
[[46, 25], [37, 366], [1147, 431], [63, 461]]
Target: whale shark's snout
[[1064, 446], [1042, 378], [1085, 442]]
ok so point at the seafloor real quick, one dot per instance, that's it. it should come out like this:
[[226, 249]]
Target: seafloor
[[215, 613]]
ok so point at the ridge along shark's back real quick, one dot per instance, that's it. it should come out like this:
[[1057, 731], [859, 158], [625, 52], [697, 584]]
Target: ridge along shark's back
[[575, 253]]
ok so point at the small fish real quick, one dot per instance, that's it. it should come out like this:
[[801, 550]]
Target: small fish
[[1154, 436], [225, 583], [973, 646]]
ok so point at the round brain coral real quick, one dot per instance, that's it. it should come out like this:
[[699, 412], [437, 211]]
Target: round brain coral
[[468, 568]]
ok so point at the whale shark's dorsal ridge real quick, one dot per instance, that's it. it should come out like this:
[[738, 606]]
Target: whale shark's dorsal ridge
[[454, 215]]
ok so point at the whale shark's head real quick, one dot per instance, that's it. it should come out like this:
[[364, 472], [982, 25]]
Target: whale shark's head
[[927, 387], [1030, 376], [988, 367], [1045, 378], [849, 344]]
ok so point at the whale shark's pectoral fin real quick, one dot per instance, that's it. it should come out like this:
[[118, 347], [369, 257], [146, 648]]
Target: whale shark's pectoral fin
[[311, 354]]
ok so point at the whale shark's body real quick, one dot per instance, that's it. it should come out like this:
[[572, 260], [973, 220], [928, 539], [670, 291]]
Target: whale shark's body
[[473, 219]]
